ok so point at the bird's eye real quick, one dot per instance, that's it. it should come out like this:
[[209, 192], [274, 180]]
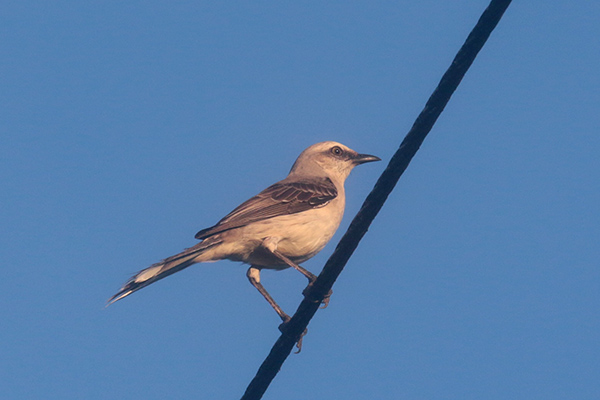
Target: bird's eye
[[337, 151]]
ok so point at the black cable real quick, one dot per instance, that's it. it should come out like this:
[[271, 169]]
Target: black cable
[[293, 330]]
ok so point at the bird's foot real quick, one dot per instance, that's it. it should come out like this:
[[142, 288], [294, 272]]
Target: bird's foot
[[324, 302], [285, 318], [283, 327], [299, 342]]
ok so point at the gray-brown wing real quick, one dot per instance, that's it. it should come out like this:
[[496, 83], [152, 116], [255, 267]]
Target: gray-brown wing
[[282, 198]]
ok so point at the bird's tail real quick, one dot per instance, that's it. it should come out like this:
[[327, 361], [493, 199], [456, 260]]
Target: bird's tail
[[164, 268]]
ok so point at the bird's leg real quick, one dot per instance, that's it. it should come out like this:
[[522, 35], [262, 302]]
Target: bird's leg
[[271, 245], [253, 275]]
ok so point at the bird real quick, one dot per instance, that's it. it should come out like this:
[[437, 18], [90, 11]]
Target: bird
[[284, 225]]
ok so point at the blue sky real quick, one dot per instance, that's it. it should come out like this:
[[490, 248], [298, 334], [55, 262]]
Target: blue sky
[[120, 123]]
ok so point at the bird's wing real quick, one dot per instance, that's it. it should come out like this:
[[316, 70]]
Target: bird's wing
[[282, 198]]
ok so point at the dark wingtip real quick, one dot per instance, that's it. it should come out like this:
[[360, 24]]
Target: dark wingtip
[[202, 234], [120, 294]]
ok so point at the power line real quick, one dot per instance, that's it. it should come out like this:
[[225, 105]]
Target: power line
[[293, 330]]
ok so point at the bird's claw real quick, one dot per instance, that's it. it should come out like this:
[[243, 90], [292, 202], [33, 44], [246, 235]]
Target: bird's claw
[[299, 342], [282, 328], [324, 302]]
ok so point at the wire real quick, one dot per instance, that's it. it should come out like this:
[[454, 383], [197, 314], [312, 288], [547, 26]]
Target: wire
[[294, 329]]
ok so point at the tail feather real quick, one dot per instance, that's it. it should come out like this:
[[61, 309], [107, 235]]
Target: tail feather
[[162, 269]]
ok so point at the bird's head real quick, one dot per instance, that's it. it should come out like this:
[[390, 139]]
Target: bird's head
[[330, 159]]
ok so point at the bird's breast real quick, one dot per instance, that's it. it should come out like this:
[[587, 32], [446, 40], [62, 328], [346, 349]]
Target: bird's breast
[[298, 236]]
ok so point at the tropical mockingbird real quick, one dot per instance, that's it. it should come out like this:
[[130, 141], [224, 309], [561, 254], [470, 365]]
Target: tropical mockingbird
[[282, 226]]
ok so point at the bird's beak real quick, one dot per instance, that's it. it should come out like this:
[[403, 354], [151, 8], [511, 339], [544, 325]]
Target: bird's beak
[[364, 158]]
